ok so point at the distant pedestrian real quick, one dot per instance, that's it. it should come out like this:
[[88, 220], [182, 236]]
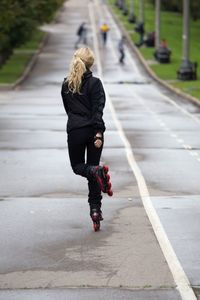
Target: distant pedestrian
[[121, 50], [140, 30], [82, 35], [104, 28], [84, 99]]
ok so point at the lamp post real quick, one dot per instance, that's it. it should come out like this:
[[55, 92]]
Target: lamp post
[[142, 11], [132, 18], [120, 4], [157, 25], [162, 53], [187, 70], [124, 8], [186, 17]]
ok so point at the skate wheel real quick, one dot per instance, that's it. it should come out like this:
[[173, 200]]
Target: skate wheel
[[95, 217], [106, 169], [107, 177], [96, 226], [109, 186], [110, 193]]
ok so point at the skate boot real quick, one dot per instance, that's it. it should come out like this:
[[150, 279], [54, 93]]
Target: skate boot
[[103, 178], [96, 216]]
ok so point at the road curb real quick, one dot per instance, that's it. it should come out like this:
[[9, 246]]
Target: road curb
[[146, 66]]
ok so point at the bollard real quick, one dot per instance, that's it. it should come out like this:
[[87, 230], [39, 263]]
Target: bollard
[[187, 71], [162, 55]]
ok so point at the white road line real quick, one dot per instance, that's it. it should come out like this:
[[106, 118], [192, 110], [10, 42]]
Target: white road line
[[178, 273], [94, 34], [180, 141], [188, 147], [184, 111], [194, 153], [162, 124], [173, 135]]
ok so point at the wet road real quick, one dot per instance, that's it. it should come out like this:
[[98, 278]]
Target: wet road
[[46, 235]]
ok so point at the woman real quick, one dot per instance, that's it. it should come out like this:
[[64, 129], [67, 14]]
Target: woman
[[84, 100]]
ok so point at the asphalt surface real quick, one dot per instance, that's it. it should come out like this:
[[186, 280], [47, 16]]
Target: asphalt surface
[[47, 243], [90, 294]]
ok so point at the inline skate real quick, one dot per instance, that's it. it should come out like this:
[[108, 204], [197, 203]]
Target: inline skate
[[96, 216], [103, 178]]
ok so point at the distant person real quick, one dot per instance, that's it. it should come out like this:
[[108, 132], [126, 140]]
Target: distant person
[[84, 100], [104, 32], [140, 30], [121, 50], [82, 35], [148, 41]]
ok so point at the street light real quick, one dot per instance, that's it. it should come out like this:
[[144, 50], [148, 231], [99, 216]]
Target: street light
[[157, 25], [162, 53], [186, 20], [119, 3], [142, 11], [187, 69], [132, 18], [124, 8]]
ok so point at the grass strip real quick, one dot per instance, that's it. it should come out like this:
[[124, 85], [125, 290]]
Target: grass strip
[[171, 30], [16, 64]]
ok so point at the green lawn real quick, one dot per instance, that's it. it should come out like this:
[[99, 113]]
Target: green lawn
[[16, 64], [171, 30]]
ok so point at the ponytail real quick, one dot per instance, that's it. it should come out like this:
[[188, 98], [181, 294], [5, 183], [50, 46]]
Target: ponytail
[[76, 72], [83, 59]]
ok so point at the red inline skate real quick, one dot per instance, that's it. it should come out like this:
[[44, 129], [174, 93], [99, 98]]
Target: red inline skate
[[96, 216], [103, 178]]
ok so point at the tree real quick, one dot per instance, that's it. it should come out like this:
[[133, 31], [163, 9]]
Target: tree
[[18, 19]]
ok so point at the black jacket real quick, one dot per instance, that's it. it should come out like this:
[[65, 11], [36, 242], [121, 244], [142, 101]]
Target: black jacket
[[86, 108]]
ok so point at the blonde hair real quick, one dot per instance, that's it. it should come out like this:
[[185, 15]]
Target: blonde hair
[[82, 60]]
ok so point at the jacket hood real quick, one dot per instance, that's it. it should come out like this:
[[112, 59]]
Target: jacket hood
[[87, 74]]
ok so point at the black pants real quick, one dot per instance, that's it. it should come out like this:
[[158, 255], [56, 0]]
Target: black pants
[[122, 55], [104, 37], [81, 142]]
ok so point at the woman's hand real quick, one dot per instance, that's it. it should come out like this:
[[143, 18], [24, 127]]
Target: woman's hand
[[98, 140]]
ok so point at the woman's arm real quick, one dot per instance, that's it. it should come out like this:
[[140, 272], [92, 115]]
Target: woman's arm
[[98, 102], [64, 98]]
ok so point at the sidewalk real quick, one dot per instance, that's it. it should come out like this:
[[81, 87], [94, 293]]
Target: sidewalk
[[46, 234]]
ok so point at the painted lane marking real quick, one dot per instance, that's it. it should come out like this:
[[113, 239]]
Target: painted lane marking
[[187, 147], [162, 124], [178, 273], [194, 153], [184, 111], [180, 141]]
